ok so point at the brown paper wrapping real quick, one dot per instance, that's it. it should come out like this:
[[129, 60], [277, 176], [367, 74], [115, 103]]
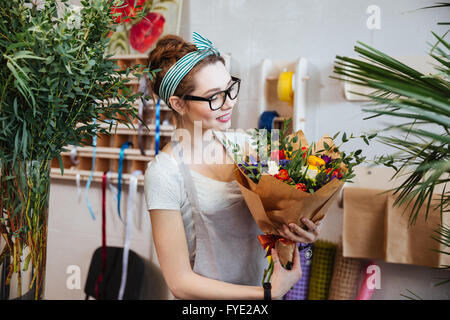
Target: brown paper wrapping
[[363, 223], [413, 244], [373, 228], [273, 203]]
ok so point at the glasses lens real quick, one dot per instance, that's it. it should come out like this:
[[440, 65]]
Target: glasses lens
[[234, 90], [218, 100]]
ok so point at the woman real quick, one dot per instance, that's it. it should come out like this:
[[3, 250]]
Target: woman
[[204, 234]]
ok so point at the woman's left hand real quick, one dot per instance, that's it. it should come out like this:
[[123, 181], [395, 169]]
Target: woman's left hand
[[294, 233]]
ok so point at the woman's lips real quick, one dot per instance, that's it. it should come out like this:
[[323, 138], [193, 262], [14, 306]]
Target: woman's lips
[[225, 118]]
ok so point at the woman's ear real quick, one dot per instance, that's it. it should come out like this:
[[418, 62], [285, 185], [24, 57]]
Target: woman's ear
[[178, 104]]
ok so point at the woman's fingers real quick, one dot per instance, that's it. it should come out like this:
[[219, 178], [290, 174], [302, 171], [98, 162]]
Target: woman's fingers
[[298, 233], [314, 227]]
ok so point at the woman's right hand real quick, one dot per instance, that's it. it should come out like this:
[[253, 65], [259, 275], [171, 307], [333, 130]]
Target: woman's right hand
[[282, 279]]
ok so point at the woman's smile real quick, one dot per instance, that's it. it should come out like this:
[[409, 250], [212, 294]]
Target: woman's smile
[[225, 117]]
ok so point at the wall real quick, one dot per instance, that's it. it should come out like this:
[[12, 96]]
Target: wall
[[252, 30]]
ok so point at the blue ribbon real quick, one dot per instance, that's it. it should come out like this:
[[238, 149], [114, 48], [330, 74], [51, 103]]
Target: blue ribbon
[[157, 125], [94, 140], [119, 184]]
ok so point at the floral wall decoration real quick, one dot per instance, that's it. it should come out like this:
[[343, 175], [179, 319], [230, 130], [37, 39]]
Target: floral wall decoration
[[142, 23]]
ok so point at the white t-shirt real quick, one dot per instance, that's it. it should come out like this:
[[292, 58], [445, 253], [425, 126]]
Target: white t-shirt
[[164, 188]]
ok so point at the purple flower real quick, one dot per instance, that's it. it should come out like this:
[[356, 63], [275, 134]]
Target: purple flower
[[325, 158], [253, 160]]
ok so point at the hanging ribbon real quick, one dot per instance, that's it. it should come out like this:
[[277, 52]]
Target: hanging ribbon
[[119, 183], [143, 111], [157, 125], [103, 266], [268, 241], [94, 138], [130, 211], [110, 185]]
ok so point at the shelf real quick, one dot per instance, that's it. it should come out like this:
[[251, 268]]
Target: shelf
[[111, 153], [122, 129], [152, 106], [70, 174], [129, 57]]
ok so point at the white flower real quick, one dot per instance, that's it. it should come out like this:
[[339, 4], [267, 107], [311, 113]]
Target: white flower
[[273, 167], [311, 173]]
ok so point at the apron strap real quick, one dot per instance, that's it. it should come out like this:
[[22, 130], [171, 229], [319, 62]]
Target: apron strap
[[187, 177]]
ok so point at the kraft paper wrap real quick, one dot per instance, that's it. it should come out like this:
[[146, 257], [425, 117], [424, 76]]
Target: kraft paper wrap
[[373, 228], [273, 203]]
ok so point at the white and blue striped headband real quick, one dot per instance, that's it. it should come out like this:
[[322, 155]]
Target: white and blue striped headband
[[179, 70]]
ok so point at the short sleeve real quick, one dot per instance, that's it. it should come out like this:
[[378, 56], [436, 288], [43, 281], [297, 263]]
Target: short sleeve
[[162, 184]]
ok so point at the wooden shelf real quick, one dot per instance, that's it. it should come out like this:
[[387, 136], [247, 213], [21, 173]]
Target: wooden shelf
[[112, 153], [129, 57], [70, 174], [122, 129]]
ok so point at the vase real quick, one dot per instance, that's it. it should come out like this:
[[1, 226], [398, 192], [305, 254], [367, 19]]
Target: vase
[[24, 198]]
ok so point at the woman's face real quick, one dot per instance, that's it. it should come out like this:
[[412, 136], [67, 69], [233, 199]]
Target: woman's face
[[209, 80]]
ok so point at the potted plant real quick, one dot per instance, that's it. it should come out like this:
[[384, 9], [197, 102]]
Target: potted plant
[[58, 87]]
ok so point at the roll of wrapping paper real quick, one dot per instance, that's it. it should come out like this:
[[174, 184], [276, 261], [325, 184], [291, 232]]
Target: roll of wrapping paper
[[284, 87], [345, 279], [321, 270], [365, 293], [300, 289]]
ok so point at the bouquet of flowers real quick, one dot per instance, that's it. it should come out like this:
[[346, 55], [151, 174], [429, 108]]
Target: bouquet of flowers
[[285, 179]]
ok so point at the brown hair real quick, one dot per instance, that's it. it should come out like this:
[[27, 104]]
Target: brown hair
[[169, 49]]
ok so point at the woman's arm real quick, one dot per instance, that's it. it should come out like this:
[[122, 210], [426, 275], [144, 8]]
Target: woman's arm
[[184, 283]]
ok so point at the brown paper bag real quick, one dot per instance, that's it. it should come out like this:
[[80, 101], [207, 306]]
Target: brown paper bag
[[374, 229], [363, 223], [273, 203], [413, 244]]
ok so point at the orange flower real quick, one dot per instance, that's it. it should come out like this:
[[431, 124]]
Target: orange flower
[[301, 186]]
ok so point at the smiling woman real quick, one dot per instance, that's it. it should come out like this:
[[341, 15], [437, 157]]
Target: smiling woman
[[203, 231]]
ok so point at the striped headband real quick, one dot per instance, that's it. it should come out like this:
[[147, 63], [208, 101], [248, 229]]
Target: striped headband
[[179, 70]]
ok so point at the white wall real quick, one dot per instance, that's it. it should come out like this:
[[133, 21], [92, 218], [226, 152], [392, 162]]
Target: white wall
[[252, 30]]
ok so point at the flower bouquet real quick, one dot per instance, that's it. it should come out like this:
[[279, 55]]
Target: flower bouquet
[[285, 179]]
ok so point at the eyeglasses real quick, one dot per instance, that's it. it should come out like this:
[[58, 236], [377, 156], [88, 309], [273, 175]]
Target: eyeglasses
[[217, 100]]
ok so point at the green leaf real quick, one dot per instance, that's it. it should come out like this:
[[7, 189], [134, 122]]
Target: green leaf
[[61, 164]]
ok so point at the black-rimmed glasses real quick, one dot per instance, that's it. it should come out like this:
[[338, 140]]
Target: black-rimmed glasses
[[217, 100]]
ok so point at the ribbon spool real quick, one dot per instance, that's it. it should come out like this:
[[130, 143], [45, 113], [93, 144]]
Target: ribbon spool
[[267, 120], [285, 87]]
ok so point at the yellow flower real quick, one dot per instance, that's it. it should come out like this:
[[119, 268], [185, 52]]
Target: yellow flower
[[316, 161], [288, 155]]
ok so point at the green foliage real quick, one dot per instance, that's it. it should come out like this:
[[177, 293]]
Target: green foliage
[[418, 99], [57, 78]]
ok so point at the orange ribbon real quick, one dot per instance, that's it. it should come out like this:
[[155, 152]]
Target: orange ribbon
[[269, 240]]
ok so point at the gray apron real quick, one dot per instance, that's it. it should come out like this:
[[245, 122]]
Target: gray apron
[[226, 245]]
